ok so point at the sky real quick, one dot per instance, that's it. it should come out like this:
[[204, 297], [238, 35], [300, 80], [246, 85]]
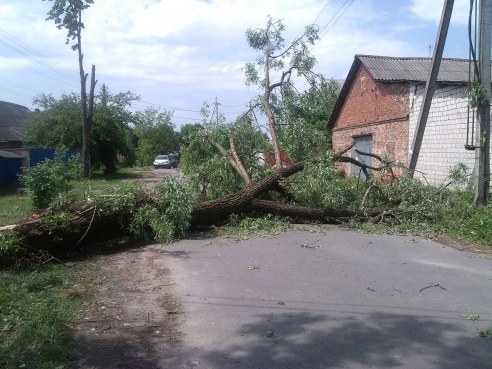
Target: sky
[[179, 54]]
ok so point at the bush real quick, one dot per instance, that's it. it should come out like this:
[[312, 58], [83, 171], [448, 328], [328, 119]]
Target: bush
[[478, 227], [50, 178], [168, 217]]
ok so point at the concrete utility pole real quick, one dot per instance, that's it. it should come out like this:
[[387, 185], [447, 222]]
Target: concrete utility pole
[[482, 158], [430, 85]]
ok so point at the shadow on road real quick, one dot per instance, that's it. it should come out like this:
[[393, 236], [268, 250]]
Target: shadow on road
[[380, 341]]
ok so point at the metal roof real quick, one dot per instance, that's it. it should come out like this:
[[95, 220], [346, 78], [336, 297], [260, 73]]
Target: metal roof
[[13, 115], [12, 133], [9, 155], [385, 68]]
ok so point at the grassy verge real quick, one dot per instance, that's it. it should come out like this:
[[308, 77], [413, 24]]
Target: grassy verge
[[38, 311], [14, 207]]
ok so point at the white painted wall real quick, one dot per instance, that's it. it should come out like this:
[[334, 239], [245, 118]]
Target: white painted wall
[[445, 132]]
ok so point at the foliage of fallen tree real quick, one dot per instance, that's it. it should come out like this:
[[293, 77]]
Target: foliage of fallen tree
[[227, 174]]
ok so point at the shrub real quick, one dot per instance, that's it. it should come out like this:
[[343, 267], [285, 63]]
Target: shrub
[[478, 226], [50, 178], [168, 217]]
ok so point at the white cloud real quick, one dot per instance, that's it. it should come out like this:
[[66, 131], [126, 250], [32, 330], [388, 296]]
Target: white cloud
[[177, 50], [431, 10]]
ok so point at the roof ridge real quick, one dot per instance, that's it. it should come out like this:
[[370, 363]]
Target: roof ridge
[[405, 57]]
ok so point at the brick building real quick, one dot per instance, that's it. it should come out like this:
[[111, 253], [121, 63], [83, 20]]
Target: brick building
[[378, 108]]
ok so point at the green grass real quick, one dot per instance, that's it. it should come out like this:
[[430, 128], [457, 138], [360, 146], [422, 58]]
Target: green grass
[[38, 311], [14, 208], [240, 228]]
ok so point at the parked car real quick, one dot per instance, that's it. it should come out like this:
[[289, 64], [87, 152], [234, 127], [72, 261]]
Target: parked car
[[162, 161], [173, 160]]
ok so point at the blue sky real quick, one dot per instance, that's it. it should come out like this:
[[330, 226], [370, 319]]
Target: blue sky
[[177, 54]]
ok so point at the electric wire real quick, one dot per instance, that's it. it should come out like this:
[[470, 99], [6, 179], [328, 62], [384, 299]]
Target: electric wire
[[39, 57], [321, 12], [337, 19], [18, 85]]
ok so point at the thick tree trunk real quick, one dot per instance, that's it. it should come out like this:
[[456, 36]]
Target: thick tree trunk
[[210, 212], [91, 226]]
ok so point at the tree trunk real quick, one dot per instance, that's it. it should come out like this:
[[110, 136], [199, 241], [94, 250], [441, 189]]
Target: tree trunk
[[91, 226], [212, 211]]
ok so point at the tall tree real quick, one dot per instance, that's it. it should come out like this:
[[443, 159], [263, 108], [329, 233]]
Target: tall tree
[[68, 14], [58, 125], [155, 133], [187, 131], [111, 133], [274, 56]]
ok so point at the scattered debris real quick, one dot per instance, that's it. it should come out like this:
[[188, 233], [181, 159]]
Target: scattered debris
[[484, 333], [434, 285], [252, 267], [471, 317]]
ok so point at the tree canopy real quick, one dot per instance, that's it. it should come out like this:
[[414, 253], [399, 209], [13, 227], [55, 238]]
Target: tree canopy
[[59, 125], [68, 14], [155, 133]]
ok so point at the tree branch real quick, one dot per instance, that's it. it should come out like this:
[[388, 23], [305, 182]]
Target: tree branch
[[240, 166]]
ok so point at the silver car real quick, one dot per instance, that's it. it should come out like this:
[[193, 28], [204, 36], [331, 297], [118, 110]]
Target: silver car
[[162, 161]]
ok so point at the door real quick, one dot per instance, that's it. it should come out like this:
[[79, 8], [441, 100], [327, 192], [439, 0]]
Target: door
[[363, 144]]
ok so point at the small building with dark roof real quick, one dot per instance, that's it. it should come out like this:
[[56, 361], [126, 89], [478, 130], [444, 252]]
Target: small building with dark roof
[[379, 105], [13, 124]]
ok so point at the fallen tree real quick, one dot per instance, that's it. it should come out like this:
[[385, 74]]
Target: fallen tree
[[155, 214], [240, 182], [75, 223]]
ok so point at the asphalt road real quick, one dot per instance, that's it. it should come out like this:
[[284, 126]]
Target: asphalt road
[[331, 299]]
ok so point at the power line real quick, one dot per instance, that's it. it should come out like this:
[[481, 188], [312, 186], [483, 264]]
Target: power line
[[336, 20], [18, 85], [169, 107], [321, 12], [48, 63], [34, 70], [10, 91]]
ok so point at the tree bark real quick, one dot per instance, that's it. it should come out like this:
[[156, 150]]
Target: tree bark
[[90, 226]]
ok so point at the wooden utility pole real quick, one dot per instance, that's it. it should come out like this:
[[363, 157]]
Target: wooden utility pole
[[430, 85], [482, 177]]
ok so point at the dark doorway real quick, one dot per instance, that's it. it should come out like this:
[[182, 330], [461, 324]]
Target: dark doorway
[[363, 144]]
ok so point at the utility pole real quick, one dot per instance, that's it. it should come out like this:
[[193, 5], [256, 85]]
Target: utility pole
[[216, 112], [482, 177], [430, 85]]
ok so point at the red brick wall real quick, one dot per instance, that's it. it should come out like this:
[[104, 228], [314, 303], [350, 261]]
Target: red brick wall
[[376, 109]]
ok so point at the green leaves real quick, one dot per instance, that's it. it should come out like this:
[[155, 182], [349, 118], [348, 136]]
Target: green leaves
[[252, 267], [274, 55], [60, 125], [66, 14], [209, 172], [50, 178], [167, 216], [472, 317], [477, 94], [155, 134], [484, 333]]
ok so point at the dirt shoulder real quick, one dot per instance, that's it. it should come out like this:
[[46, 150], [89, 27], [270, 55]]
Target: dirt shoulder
[[135, 317]]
